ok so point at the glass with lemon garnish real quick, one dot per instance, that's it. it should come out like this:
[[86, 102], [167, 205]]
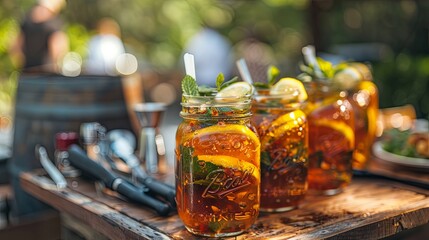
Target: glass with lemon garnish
[[331, 131], [357, 79], [283, 131], [217, 160]]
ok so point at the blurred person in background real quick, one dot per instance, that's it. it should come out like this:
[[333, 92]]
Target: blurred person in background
[[104, 49], [41, 43], [213, 55]]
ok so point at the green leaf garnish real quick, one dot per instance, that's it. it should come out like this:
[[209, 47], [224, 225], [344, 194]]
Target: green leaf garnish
[[219, 80], [199, 168], [227, 83], [261, 85], [206, 91], [190, 86], [272, 74]]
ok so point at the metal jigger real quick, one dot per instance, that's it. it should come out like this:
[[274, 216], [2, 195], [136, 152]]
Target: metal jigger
[[151, 141]]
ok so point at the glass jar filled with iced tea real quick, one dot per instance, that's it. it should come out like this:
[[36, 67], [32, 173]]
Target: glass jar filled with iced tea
[[217, 165], [363, 96], [283, 132], [331, 137]]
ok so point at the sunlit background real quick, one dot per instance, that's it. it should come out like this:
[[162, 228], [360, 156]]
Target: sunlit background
[[390, 35]]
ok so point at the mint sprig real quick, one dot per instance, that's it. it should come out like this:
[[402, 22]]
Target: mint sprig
[[227, 83], [190, 86], [219, 80], [272, 75]]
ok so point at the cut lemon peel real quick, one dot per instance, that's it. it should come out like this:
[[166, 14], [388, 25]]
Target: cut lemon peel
[[289, 85], [225, 161], [235, 90], [281, 125], [338, 126], [224, 129]]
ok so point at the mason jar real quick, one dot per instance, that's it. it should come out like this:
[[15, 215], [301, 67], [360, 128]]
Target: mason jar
[[331, 137], [283, 131], [363, 96], [217, 166]]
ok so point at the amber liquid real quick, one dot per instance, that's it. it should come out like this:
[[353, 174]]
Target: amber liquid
[[364, 100], [217, 178], [331, 146], [283, 158]]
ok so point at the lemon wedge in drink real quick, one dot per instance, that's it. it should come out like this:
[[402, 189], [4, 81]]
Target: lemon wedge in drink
[[347, 78], [289, 85], [281, 125], [231, 162], [338, 126], [235, 90], [224, 129]]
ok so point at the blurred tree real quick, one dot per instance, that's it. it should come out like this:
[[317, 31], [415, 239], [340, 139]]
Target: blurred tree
[[393, 36], [157, 31]]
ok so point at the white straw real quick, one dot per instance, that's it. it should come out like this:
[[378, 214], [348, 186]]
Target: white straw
[[244, 70], [310, 57], [189, 65]]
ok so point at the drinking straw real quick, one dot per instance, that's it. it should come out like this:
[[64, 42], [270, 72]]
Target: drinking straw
[[189, 65], [244, 71], [310, 57]]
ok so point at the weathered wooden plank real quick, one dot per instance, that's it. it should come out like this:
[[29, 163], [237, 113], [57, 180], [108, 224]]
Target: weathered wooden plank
[[367, 209], [99, 216]]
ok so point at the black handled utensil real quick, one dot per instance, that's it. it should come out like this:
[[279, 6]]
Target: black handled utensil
[[79, 159], [124, 150]]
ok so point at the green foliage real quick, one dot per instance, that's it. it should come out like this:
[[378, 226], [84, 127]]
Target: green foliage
[[157, 32], [272, 75], [396, 141], [219, 80], [190, 86]]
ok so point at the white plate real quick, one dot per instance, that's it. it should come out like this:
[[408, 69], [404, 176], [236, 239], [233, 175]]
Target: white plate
[[379, 152]]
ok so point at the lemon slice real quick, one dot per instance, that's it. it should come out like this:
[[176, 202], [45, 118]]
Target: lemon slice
[[347, 78], [236, 90], [231, 162], [281, 125], [289, 85], [339, 126], [224, 129]]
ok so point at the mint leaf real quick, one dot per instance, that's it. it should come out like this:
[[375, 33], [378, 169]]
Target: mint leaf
[[272, 74], [261, 85], [219, 80], [206, 91], [227, 83], [190, 86]]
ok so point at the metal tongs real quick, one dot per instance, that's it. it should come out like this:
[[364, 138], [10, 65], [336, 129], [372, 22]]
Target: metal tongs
[[50, 168]]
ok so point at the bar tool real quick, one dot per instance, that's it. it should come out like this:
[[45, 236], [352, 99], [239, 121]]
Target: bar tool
[[62, 142], [79, 159], [50, 168], [123, 147], [91, 135], [150, 115]]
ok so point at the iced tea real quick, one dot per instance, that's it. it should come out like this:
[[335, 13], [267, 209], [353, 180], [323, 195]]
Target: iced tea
[[282, 128], [332, 138], [217, 166]]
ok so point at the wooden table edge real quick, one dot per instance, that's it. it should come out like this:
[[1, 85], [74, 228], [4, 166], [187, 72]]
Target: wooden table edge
[[114, 221]]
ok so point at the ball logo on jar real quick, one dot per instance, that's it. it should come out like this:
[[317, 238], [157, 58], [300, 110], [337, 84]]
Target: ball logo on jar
[[225, 181], [282, 160]]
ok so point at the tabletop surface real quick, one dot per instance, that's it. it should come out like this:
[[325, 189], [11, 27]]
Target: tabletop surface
[[370, 208]]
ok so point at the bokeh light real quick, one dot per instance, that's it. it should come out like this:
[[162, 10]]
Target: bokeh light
[[126, 64]]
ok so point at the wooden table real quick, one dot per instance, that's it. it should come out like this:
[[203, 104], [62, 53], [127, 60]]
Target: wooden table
[[370, 208]]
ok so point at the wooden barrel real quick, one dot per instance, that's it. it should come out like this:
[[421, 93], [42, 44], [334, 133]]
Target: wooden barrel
[[47, 104]]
